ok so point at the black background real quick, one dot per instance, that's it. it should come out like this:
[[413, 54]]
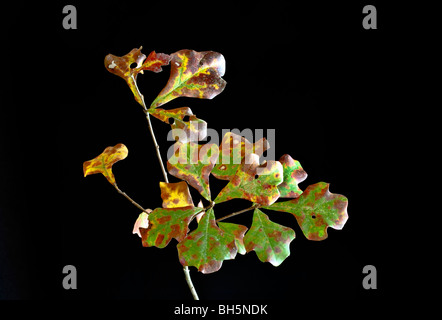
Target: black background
[[309, 71]]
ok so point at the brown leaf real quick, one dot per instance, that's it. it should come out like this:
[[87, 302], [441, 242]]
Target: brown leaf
[[129, 65]]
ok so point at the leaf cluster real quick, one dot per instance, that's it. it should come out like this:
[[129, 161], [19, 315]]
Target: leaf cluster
[[235, 160]]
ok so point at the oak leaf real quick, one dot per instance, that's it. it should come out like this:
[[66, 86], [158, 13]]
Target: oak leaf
[[232, 152], [130, 65], [254, 182], [166, 224], [193, 163], [104, 162], [190, 130], [293, 174], [315, 210], [193, 74], [270, 241], [175, 195], [206, 247], [235, 232]]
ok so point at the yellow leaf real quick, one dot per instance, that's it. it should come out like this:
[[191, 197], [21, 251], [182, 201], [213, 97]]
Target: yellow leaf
[[175, 195], [103, 163]]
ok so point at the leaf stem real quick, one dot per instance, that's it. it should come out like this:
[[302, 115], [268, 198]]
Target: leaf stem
[[254, 206], [129, 198], [210, 206]]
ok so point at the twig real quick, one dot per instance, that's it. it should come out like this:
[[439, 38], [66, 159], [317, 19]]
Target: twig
[[157, 149], [254, 206], [189, 283], [155, 143], [210, 206], [129, 198]]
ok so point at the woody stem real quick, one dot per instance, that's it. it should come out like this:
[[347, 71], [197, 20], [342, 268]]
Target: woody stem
[[155, 143], [254, 206], [157, 149], [129, 198]]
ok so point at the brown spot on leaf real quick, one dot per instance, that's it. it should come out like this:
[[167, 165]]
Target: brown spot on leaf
[[159, 239], [163, 220]]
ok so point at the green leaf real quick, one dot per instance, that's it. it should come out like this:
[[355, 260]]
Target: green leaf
[[234, 232], [192, 130], [206, 247], [192, 163], [193, 74], [270, 241], [122, 67], [254, 182], [316, 210], [167, 223], [232, 151], [293, 174]]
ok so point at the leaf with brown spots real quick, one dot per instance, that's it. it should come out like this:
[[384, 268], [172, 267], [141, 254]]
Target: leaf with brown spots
[[254, 182], [232, 152], [192, 162], [270, 241], [186, 127], [236, 233], [193, 74], [293, 174], [167, 223], [316, 209], [206, 247], [104, 162], [130, 65], [175, 195]]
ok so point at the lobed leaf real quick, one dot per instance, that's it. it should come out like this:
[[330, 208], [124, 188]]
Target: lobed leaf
[[167, 223], [235, 234], [121, 66], [232, 152], [192, 130], [270, 241], [315, 210], [175, 195], [104, 162], [254, 182], [193, 74], [293, 174], [206, 247], [192, 163]]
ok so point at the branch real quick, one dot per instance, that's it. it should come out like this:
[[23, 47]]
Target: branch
[[157, 149], [129, 198], [254, 206], [210, 206], [189, 283]]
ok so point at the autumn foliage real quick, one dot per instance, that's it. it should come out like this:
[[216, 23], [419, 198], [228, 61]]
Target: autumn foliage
[[236, 161]]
